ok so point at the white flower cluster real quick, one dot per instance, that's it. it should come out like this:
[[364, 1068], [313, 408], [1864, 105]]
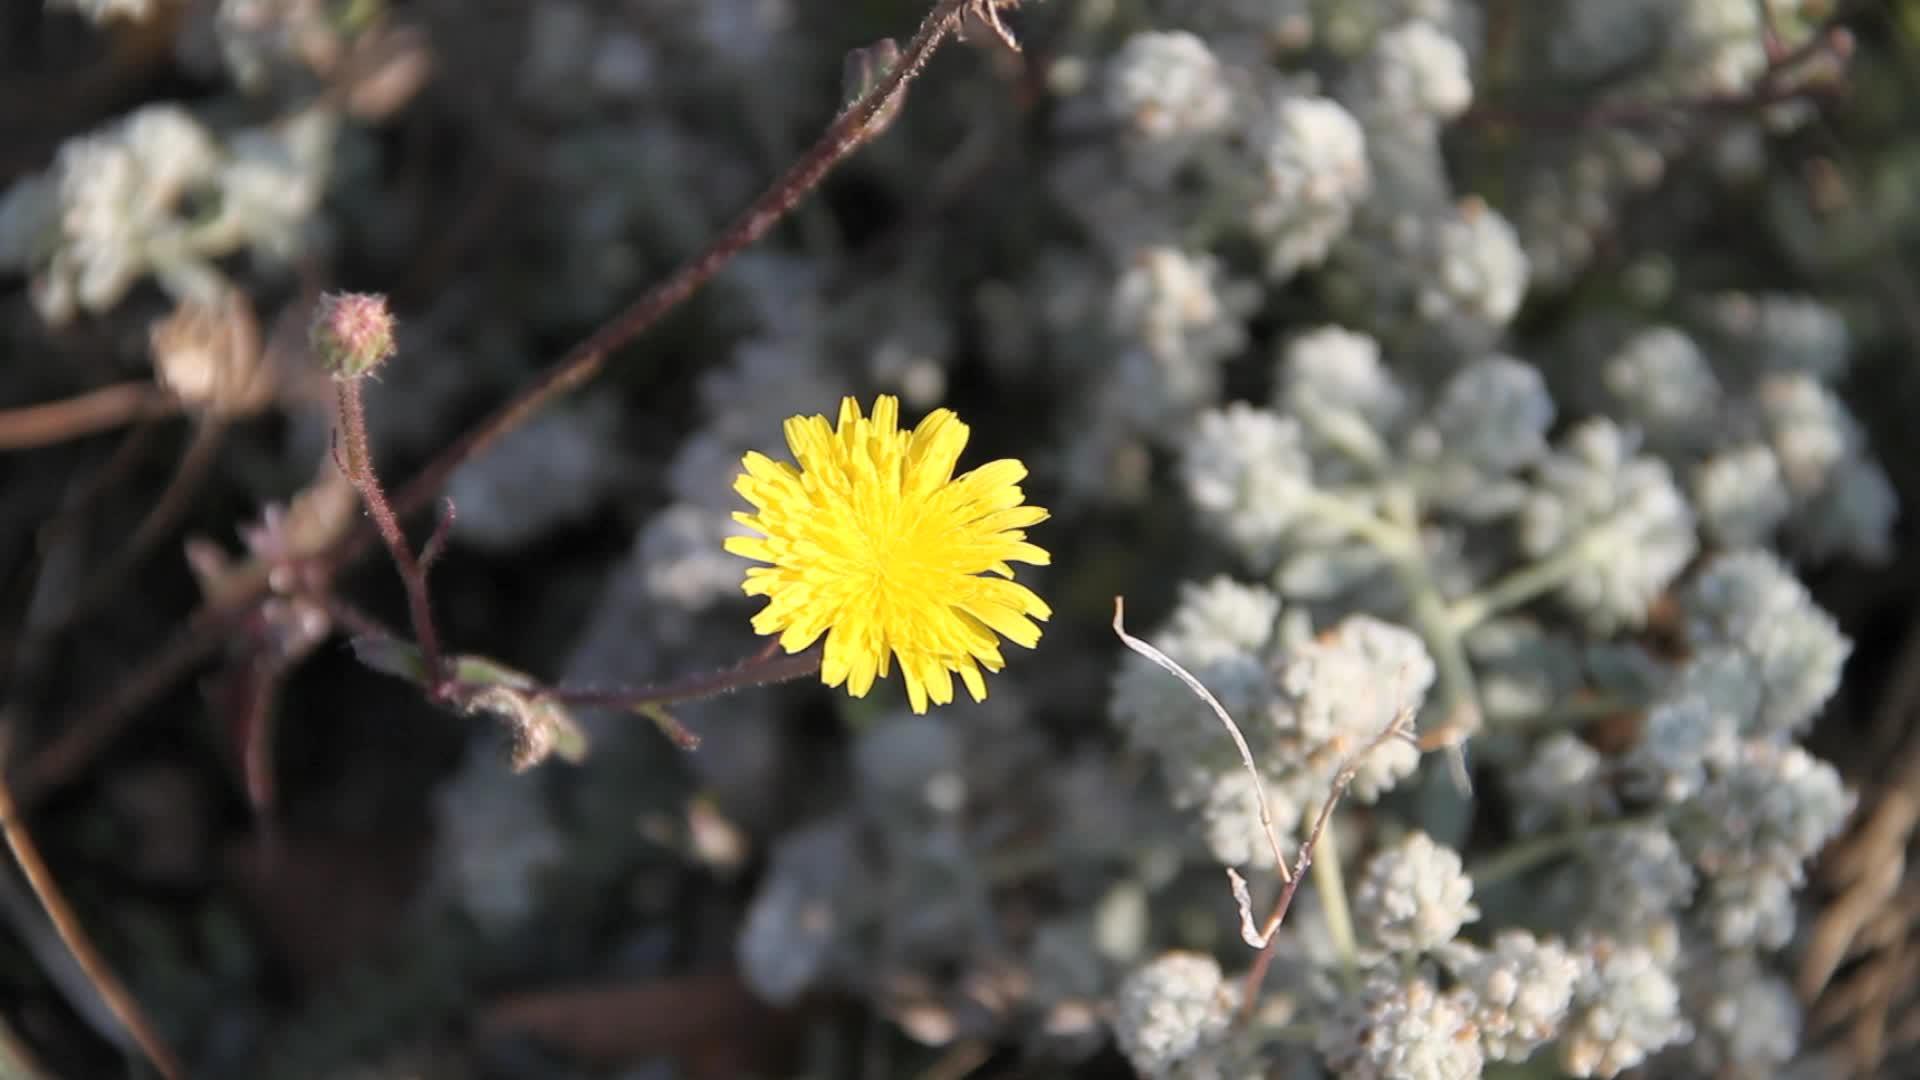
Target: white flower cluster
[[1414, 896], [158, 193], [1307, 704], [1743, 409]]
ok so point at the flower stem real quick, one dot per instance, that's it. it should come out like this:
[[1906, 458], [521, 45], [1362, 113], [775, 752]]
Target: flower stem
[[1522, 586], [748, 673], [1331, 879], [849, 131], [209, 627], [1520, 857], [359, 468]]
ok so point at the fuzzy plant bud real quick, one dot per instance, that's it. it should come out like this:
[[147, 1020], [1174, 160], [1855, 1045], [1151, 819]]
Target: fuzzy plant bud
[[352, 333]]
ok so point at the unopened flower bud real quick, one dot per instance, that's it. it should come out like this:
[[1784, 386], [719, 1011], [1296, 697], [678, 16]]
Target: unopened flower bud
[[352, 333]]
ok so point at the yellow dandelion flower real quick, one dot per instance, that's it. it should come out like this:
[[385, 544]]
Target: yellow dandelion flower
[[875, 543]]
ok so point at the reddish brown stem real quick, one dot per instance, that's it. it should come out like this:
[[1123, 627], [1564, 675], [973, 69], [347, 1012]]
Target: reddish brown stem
[[437, 543], [74, 936], [57, 763], [758, 671], [847, 133], [94, 411], [167, 510], [360, 470]]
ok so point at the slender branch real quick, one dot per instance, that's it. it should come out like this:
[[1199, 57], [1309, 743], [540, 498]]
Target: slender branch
[[1398, 728], [749, 673], [478, 682], [359, 469], [40, 879], [848, 132], [166, 512], [437, 543], [94, 411], [57, 763]]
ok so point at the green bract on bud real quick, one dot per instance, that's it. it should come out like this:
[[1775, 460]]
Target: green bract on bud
[[352, 333]]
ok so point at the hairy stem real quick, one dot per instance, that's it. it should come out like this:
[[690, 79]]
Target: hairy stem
[[359, 469]]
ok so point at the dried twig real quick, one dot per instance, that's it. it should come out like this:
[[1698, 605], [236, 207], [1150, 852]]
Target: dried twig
[[1400, 727], [1167, 663], [85, 414], [851, 128], [849, 131], [1261, 936], [75, 937], [166, 512]]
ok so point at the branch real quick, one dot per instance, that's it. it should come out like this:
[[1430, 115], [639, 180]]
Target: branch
[[1400, 727], [848, 132], [95, 411], [144, 1033], [1163, 661], [850, 129]]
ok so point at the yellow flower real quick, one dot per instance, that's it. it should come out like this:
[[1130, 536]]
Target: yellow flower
[[876, 544]]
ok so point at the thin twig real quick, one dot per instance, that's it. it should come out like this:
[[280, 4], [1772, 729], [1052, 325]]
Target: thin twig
[[86, 414], [748, 673], [166, 511], [847, 133], [75, 937], [1400, 727], [1162, 660], [57, 763]]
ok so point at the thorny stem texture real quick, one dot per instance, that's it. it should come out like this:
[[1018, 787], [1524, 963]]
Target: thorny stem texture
[[359, 469], [74, 936]]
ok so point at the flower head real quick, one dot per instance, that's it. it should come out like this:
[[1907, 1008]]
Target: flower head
[[875, 543]]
